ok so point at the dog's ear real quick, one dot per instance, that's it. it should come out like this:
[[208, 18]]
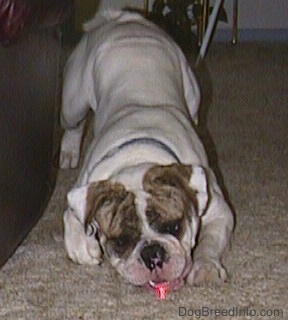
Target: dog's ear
[[104, 202], [102, 206], [191, 180], [94, 204]]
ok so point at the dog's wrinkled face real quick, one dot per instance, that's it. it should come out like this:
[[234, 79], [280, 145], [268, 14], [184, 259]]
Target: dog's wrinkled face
[[147, 233]]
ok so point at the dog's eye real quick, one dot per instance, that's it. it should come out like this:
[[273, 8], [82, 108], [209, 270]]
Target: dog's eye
[[121, 244], [121, 241], [172, 227]]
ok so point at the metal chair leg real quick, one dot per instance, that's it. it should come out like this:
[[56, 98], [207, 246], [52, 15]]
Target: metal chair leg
[[235, 22], [208, 34], [146, 6], [205, 16]]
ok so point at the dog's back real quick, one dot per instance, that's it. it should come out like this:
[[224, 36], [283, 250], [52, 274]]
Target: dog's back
[[133, 76], [141, 60]]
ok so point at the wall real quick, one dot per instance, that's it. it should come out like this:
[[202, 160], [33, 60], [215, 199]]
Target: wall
[[257, 20], [260, 14]]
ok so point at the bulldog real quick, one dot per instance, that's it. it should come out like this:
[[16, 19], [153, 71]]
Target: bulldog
[[145, 197]]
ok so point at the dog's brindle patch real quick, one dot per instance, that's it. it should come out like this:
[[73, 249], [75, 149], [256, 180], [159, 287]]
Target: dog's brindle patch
[[113, 208], [171, 198]]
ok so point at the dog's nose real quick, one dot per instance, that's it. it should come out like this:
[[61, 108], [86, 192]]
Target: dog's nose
[[153, 256]]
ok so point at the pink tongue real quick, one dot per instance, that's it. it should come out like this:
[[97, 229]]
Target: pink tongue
[[170, 286]]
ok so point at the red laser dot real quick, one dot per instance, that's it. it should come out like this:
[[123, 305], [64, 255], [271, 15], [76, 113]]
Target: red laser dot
[[162, 292]]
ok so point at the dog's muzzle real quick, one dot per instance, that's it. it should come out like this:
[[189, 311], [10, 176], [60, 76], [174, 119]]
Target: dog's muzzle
[[154, 256]]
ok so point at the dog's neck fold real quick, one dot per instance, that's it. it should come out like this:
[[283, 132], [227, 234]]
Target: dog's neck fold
[[133, 152]]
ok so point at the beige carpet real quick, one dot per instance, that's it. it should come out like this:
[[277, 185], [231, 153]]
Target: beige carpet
[[246, 88]]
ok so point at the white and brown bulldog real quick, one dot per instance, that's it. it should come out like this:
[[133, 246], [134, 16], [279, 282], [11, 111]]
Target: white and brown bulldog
[[145, 196]]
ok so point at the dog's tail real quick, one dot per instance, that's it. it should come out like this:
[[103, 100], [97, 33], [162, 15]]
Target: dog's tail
[[107, 15]]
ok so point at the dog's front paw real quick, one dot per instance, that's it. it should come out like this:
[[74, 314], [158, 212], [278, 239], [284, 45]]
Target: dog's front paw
[[206, 272], [86, 252]]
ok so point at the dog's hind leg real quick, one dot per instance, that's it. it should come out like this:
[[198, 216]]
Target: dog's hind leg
[[76, 103], [70, 147], [191, 89], [73, 123]]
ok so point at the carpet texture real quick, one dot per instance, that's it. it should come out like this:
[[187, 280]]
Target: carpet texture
[[245, 98]]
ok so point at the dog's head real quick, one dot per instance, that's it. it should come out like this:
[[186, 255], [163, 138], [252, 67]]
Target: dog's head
[[147, 229]]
